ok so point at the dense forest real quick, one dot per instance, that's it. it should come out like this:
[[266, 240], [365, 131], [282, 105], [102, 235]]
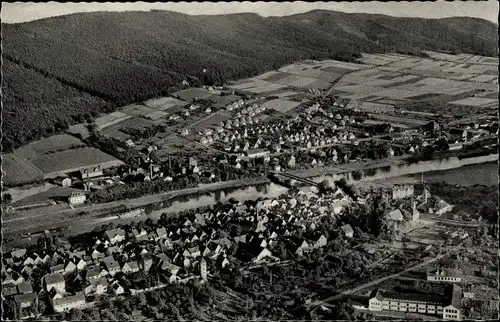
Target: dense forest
[[65, 69]]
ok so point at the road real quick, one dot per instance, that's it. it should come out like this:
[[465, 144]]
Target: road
[[137, 202], [380, 280]]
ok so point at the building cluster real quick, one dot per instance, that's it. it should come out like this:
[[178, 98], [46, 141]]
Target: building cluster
[[247, 115], [186, 248]]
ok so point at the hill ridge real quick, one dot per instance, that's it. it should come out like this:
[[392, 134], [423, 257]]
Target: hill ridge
[[133, 56]]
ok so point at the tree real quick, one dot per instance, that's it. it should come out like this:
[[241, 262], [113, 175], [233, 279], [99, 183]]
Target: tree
[[6, 198], [75, 315], [379, 223]]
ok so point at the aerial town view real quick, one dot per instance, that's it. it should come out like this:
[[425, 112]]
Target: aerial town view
[[250, 161]]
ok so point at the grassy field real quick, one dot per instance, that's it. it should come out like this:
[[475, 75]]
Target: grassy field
[[48, 145], [24, 192], [189, 94], [131, 122], [18, 171], [137, 110]]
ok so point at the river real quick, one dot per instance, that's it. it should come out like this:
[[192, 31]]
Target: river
[[451, 171], [467, 174]]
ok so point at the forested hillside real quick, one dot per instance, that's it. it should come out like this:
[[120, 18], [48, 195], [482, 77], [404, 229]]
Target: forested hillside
[[65, 68]]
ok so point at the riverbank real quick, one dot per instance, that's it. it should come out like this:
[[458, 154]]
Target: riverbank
[[388, 168], [385, 171]]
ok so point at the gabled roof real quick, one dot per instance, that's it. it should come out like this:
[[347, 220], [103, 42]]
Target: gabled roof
[[396, 215], [53, 278], [25, 298], [24, 287], [79, 296], [132, 265], [347, 229], [18, 253], [92, 272], [112, 233]]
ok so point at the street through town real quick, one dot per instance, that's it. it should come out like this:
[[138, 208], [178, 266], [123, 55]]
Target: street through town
[[350, 291]]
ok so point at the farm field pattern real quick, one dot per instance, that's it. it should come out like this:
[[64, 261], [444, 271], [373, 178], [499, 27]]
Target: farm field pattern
[[390, 79]]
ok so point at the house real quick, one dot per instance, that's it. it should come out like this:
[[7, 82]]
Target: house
[[57, 268], [400, 191], [29, 261], [161, 233], [145, 262], [115, 236], [18, 253], [80, 263], [26, 271], [19, 280], [348, 231], [321, 242], [140, 236], [97, 254], [9, 289], [444, 275], [117, 288], [91, 172], [24, 288], [70, 267], [111, 265], [443, 207], [396, 216], [26, 300], [69, 302], [263, 255], [130, 267], [92, 273], [194, 251], [54, 280], [453, 309], [97, 287], [241, 239], [77, 198]]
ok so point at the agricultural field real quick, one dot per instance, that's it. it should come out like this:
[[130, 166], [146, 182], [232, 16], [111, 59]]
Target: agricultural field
[[209, 121], [17, 171], [305, 75], [164, 103], [48, 145], [477, 102], [281, 105], [138, 110], [110, 119], [400, 80], [63, 162]]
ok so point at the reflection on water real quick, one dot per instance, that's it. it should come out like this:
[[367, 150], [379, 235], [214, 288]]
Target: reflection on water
[[438, 170]]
